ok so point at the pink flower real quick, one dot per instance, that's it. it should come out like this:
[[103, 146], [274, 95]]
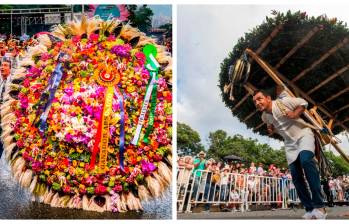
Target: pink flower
[[69, 91], [162, 83], [117, 188], [112, 130], [100, 189], [66, 189], [24, 102], [111, 38], [147, 167], [45, 56], [26, 83], [93, 37], [37, 166], [76, 39], [68, 137], [140, 57]]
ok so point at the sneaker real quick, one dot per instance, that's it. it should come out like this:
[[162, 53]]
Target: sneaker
[[319, 214], [308, 215]]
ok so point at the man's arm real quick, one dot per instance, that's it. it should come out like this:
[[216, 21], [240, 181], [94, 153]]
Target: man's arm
[[295, 113], [295, 105]]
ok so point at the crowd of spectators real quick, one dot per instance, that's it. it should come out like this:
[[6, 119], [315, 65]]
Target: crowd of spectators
[[217, 181]]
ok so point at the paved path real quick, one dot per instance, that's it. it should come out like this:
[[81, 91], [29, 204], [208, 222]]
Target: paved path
[[333, 213]]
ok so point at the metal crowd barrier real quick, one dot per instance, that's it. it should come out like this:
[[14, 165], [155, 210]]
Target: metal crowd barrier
[[239, 190]]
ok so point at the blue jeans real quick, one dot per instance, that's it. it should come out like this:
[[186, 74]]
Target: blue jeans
[[195, 188], [224, 192], [305, 161], [1, 149]]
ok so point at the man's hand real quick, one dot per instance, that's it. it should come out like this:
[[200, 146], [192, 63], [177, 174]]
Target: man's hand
[[270, 129], [291, 115], [296, 113]]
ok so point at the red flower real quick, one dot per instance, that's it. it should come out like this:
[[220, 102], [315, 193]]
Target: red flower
[[117, 188], [100, 189], [66, 189], [94, 37]]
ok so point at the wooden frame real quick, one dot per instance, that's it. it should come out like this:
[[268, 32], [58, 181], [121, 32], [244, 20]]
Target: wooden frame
[[274, 74], [321, 59]]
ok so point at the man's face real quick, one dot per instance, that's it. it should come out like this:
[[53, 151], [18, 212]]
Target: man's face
[[261, 101], [5, 69], [202, 156]]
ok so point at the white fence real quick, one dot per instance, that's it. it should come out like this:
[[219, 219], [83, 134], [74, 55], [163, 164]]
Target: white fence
[[239, 190]]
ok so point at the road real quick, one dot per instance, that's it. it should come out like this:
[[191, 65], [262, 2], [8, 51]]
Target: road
[[333, 213]]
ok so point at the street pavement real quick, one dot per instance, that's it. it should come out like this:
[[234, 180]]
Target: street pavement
[[333, 213]]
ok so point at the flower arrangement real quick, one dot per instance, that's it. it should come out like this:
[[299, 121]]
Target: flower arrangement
[[58, 104]]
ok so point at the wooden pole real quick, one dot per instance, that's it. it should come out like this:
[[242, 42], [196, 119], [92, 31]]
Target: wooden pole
[[273, 74]]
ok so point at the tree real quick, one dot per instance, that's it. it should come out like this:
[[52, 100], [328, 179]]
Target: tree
[[188, 140], [221, 145], [339, 165], [168, 28], [140, 17]]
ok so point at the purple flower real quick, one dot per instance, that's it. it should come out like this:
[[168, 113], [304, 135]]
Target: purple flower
[[89, 109], [37, 166], [24, 102], [68, 137], [100, 91], [147, 168], [34, 70], [112, 130], [69, 91], [116, 106], [122, 50]]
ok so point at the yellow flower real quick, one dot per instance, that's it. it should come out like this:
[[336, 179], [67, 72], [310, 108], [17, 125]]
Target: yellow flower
[[131, 89]]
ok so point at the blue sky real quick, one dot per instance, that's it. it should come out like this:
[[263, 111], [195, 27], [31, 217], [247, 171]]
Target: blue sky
[[165, 10], [202, 45]]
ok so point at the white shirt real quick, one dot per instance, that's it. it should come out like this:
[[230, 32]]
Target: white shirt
[[224, 178], [297, 136]]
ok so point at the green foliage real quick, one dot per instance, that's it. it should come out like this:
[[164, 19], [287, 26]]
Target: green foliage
[[140, 17], [188, 140], [221, 145], [340, 166]]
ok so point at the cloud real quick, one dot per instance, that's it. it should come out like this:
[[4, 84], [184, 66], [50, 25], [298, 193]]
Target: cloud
[[206, 34]]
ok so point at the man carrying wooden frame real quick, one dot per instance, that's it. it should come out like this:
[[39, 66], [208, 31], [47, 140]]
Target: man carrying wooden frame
[[283, 116]]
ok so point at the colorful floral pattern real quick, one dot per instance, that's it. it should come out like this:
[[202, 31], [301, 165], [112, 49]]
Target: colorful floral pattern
[[61, 155]]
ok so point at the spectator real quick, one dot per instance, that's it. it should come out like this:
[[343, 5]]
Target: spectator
[[199, 166], [224, 183], [260, 170], [332, 185], [252, 169]]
